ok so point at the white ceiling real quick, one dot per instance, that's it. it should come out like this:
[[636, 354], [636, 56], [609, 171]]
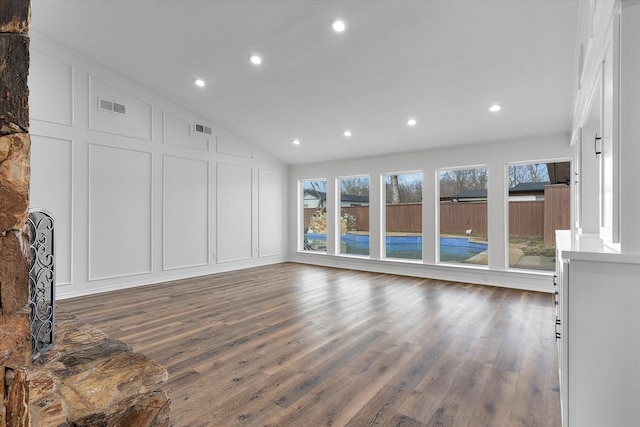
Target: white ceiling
[[442, 62]]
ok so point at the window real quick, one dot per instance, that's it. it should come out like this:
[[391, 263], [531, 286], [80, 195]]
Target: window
[[354, 215], [403, 215], [463, 216], [314, 206], [539, 204]]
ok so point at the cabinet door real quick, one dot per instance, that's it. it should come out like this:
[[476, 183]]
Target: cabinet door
[[609, 157], [604, 344], [588, 166], [562, 336]]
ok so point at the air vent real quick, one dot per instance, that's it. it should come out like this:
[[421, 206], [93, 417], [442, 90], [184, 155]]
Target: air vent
[[201, 129], [114, 107]]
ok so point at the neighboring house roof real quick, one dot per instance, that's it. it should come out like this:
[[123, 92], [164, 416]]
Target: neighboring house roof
[[322, 194], [527, 187], [524, 187], [471, 194], [354, 198], [344, 197]]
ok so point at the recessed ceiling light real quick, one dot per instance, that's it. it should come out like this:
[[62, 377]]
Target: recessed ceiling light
[[199, 82], [347, 133], [255, 59], [296, 142], [495, 108], [338, 26], [411, 122]]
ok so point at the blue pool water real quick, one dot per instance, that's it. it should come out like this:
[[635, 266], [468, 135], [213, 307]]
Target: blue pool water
[[452, 249], [459, 248]]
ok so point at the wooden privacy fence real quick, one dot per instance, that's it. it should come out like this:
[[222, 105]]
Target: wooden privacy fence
[[557, 211], [405, 218], [457, 217], [361, 214], [526, 218]]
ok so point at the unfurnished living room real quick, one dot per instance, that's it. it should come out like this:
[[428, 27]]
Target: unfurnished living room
[[314, 213]]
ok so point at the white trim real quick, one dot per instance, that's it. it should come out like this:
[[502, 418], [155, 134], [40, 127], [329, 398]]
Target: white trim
[[164, 198], [157, 280], [529, 280]]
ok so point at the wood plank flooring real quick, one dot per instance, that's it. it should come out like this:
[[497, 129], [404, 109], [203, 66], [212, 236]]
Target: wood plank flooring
[[298, 345]]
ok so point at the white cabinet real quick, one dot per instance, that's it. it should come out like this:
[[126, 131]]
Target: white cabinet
[[598, 331], [560, 282], [597, 144]]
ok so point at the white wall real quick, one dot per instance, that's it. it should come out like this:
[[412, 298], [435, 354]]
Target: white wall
[[495, 155], [138, 198]]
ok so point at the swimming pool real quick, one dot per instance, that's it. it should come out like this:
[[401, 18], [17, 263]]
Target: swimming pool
[[452, 249], [457, 249]]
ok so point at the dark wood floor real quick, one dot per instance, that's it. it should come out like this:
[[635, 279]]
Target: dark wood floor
[[295, 345]]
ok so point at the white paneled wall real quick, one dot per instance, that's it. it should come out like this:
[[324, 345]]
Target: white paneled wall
[[234, 212], [137, 195], [51, 164], [178, 132], [135, 122], [51, 89], [270, 205], [227, 144], [120, 212], [185, 212]]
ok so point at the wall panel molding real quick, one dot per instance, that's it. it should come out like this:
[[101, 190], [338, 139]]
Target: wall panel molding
[[226, 145], [120, 212], [52, 189], [109, 177], [179, 132], [136, 121], [185, 213], [234, 213], [270, 213], [51, 94]]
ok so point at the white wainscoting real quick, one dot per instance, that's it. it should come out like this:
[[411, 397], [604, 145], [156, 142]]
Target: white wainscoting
[[234, 212], [120, 215], [135, 123], [138, 198], [52, 165], [50, 89], [226, 144], [270, 213], [185, 213], [179, 132]]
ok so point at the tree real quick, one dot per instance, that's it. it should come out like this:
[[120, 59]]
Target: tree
[[453, 182], [316, 188], [358, 186], [395, 190], [533, 172], [403, 188]]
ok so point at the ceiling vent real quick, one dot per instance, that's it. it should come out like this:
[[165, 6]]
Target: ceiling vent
[[202, 130], [114, 107]]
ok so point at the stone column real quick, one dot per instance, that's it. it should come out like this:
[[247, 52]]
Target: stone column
[[15, 342]]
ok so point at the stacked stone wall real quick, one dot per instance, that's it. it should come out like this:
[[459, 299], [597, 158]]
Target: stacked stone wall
[[318, 222], [15, 342]]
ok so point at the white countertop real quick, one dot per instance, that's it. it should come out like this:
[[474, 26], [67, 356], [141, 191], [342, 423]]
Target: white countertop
[[587, 247]]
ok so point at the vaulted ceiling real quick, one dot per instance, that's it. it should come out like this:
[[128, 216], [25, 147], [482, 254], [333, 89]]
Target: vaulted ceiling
[[441, 62]]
